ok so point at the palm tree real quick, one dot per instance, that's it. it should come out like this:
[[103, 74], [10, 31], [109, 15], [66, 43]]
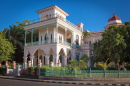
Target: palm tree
[[104, 65], [16, 35], [86, 34]]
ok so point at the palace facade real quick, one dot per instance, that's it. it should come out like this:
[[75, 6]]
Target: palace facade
[[54, 39]]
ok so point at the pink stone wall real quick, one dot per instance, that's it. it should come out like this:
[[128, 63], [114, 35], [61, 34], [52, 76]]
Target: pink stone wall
[[24, 71]]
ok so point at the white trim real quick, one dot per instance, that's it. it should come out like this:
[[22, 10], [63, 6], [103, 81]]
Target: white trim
[[114, 21]]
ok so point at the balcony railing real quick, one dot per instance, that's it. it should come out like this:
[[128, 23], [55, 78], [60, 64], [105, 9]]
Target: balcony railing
[[51, 17], [52, 41]]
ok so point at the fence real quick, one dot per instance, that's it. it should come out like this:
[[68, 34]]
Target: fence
[[86, 73]]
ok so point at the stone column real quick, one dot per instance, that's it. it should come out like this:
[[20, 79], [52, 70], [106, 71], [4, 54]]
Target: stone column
[[56, 58], [35, 61], [56, 32], [25, 38], [65, 34], [65, 60], [47, 60], [14, 64], [6, 63], [25, 61], [31, 58], [7, 70], [18, 71]]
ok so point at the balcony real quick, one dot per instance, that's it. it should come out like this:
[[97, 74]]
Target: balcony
[[47, 42], [53, 41], [51, 17]]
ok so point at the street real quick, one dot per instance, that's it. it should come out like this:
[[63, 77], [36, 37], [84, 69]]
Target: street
[[9, 82]]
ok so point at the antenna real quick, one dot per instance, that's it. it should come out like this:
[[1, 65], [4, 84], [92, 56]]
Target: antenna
[[114, 11]]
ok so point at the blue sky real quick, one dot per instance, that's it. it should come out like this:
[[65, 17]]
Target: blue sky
[[94, 14]]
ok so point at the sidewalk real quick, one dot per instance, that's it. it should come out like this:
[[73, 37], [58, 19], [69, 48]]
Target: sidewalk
[[92, 82]]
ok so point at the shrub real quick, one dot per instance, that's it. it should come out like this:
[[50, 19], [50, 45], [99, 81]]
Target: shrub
[[10, 67], [82, 65], [104, 65], [29, 69], [35, 69], [96, 68], [79, 65], [84, 58], [73, 64], [2, 70]]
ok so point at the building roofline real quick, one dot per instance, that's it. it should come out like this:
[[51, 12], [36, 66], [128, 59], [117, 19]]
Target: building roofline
[[52, 7]]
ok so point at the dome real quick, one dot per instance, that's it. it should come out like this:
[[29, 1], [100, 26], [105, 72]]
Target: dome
[[114, 20]]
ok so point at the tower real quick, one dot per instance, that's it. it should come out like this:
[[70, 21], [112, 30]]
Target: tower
[[114, 20]]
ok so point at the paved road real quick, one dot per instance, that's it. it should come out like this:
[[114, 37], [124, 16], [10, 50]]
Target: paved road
[[9, 82]]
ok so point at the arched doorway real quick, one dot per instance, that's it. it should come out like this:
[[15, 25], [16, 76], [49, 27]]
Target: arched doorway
[[61, 57], [39, 55], [51, 53]]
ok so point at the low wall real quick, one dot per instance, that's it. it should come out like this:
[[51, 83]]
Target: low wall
[[24, 72], [12, 72]]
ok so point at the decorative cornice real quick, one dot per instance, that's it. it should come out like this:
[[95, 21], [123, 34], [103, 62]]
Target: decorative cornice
[[53, 7]]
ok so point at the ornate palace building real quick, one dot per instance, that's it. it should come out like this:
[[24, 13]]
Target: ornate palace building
[[54, 39]]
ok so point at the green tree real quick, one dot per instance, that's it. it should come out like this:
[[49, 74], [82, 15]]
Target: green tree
[[73, 64], [79, 65], [15, 34], [127, 37], [112, 45], [85, 58], [6, 48]]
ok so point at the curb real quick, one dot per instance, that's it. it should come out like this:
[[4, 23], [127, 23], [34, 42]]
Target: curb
[[37, 80]]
